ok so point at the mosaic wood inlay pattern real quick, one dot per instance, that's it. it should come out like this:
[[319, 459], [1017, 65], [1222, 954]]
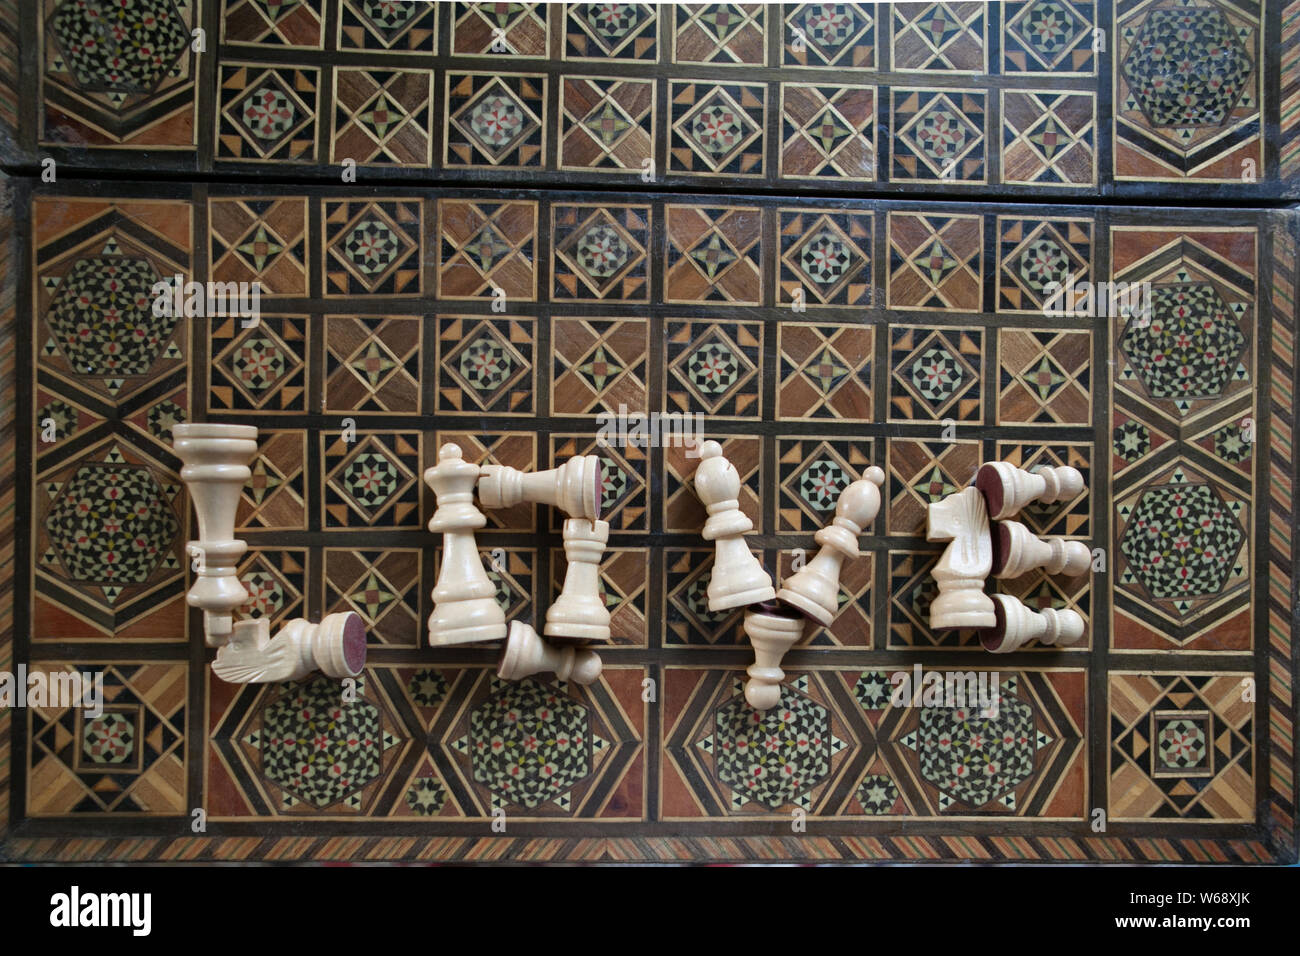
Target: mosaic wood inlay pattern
[[564, 210]]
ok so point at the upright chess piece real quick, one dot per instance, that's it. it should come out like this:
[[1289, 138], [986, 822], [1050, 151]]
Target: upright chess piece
[[525, 654], [1016, 625], [573, 487], [815, 588], [465, 607], [215, 460], [772, 629], [962, 519], [738, 578], [1007, 489], [579, 614], [1016, 550]]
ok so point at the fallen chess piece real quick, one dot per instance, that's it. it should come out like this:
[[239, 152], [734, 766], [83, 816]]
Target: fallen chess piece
[[215, 465], [526, 654], [336, 647], [573, 487], [465, 608], [1017, 550], [1007, 489], [960, 574], [738, 577], [579, 613], [772, 630], [815, 588], [1016, 625]]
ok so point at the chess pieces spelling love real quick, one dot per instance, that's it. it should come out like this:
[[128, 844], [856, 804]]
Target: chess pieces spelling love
[[465, 606], [215, 465], [738, 578]]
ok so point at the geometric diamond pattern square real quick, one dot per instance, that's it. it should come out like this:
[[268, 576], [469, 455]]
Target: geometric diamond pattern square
[[487, 249], [936, 262], [388, 27], [938, 136], [372, 364], [267, 113], [263, 369], [811, 473], [260, 240], [373, 247], [1044, 377], [371, 480], [382, 117], [273, 23], [714, 254], [713, 368], [500, 29], [487, 364], [600, 252], [600, 365], [936, 37], [495, 120], [1048, 138], [828, 132], [383, 587], [612, 31], [839, 35], [1038, 258], [606, 125], [717, 130], [935, 374], [825, 258], [1048, 36], [721, 34], [825, 371]]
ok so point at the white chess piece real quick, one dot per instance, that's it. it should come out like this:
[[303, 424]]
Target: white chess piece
[[1016, 625], [573, 487], [738, 578], [1007, 489], [579, 613], [215, 460], [525, 654], [215, 467], [815, 588], [772, 630], [465, 606], [1017, 550], [336, 647], [962, 519]]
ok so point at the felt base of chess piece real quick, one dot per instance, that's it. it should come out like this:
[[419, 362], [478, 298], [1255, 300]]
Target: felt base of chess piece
[[336, 647], [1017, 550], [772, 629], [525, 654], [1015, 625], [1007, 489]]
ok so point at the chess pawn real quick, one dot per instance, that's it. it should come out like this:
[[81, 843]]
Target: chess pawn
[[579, 613], [962, 519], [465, 606], [772, 630], [1007, 489], [738, 577], [525, 654], [1016, 550], [215, 460], [815, 588], [336, 647], [573, 487], [1016, 625]]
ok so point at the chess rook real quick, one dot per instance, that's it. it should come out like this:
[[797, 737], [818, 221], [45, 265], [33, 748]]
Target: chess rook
[[1007, 489], [738, 578], [772, 630], [573, 487], [525, 654], [962, 519], [215, 463], [465, 605], [815, 588], [579, 614], [1016, 625], [1017, 550]]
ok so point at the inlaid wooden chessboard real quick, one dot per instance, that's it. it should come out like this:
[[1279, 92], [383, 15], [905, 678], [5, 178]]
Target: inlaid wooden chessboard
[[833, 263]]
